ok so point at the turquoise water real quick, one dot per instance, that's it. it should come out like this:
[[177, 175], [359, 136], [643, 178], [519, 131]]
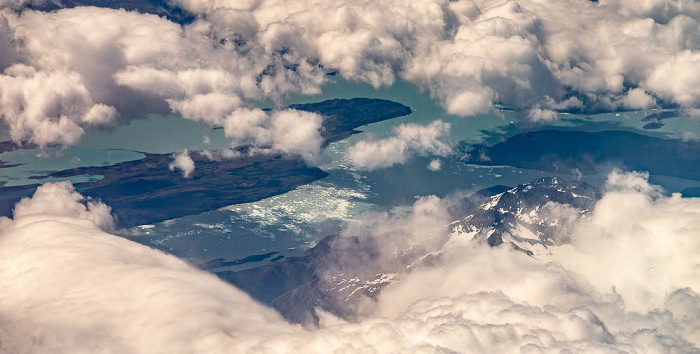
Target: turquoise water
[[157, 134], [38, 163], [296, 221]]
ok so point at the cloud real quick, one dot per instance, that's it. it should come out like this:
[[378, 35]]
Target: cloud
[[688, 136], [372, 154], [542, 115], [32, 104], [657, 234], [627, 281], [434, 165], [682, 89], [288, 131], [539, 56], [61, 200], [297, 132], [144, 64], [622, 279], [68, 286], [183, 162], [638, 99]]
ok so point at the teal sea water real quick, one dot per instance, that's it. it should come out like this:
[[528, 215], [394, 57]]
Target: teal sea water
[[293, 222]]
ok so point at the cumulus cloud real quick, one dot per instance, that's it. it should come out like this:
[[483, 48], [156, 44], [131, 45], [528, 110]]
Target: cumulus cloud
[[638, 99], [68, 286], [143, 64], [34, 106], [539, 115], [61, 200], [183, 162], [682, 88], [289, 131], [622, 279], [372, 154], [434, 165], [539, 56], [657, 233], [627, 282]]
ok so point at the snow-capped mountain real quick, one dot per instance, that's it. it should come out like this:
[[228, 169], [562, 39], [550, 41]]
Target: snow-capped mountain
[[342, 271], [530, 215]]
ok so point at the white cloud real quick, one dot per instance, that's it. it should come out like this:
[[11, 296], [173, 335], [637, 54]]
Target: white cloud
[[676, 79], [688, 136], [628, 278], [183, 162], [33, 104], [372, 154], [434, 165], [288, 131], [530, 54], [469, 103], [539, 115], [141, 64], [68, 286], [61, 200], [638, 99], [297, 132], [639, 243]]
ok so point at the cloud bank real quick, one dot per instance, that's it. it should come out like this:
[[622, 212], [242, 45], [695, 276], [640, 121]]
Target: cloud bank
[[68, 286], [109, 294], [539, 56]]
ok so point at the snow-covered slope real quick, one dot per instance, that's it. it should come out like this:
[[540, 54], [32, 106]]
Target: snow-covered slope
[[530, 216], [341, 271]]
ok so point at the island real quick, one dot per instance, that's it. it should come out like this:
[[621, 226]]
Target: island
[[655, 119], [146, 191], [566, 151]]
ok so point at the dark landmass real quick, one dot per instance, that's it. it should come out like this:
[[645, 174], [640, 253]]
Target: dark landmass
[[655, 117], [464, 205], [9, 196], [342, 271], [317, 278], [276, 258], [146, 191], [9, 146], [692, 192], [653, 125], [162, 8], [507, 209], [296, 285], [342, 116], [4, 164], [591, 153], [220, 262]]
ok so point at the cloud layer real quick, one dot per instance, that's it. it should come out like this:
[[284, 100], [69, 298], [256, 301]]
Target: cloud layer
[[627, 281], [539, 56], [109, 294], [70, 287]]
